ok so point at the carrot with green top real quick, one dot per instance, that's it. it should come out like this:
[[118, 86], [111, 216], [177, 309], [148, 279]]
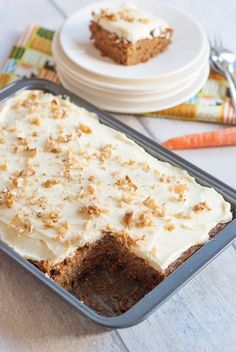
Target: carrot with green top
[[220, 138]]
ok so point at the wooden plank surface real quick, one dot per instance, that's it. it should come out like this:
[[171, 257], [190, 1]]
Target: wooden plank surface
[[201, 317]]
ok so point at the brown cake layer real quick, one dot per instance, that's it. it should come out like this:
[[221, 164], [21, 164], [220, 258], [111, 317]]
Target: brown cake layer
[[108, 277], [124, 52]]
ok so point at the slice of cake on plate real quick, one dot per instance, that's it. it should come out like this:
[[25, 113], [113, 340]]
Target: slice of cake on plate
[[129, 35]]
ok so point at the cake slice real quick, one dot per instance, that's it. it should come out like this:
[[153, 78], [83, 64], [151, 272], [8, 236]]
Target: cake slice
[[129, 35], [76, 195]]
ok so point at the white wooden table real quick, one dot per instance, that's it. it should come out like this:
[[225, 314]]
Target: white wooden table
[[202, 316]]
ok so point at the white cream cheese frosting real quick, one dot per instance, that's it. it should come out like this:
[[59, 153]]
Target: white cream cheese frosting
[[130, 23], [66, 180]]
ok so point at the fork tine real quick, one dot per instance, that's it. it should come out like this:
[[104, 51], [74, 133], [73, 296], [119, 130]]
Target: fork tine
[[218, 42]]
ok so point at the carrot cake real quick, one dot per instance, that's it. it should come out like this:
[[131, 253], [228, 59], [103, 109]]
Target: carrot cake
[[129, 35], [75, 193]]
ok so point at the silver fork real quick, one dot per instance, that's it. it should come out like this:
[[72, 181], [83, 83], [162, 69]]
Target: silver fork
[[222, 60]]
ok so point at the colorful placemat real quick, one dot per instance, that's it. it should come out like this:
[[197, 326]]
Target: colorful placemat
[[32, 57]]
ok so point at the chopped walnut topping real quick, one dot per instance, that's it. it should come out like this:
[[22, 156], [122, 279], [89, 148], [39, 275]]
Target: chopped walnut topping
[[4, 166], [130, 163], [170, 227], [105, 152], [144, 219], [35, 134], [50, 183], [92, 178], [32, 152], [17, 182], [64, 138], [2, 136], [145, 167], [91, 211], [108, 15], [7, 198], [150, 203], [39, 201], [30, 103], [26, 172], [91, 189], [180, 188], [52, 146], [52, 215], [22, 224], [158, 210], [201, 207], [182, 215], [124, 199], [126, 184], [128, 219], [35, 121], [85, 129], [57, 110], [165, 178], [144, 20], [63, 228]]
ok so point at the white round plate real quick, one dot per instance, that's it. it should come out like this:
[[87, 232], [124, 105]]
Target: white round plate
[[66, 65], [129, 96], [121, 106], [186, 47]]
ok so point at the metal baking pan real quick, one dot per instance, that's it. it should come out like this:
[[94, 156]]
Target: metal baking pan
[[179, 277]]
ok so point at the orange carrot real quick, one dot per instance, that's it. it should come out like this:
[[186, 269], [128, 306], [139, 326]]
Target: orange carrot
[[226, 136]]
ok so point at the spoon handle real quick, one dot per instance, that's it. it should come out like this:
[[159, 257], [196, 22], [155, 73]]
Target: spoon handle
[[232, 89]]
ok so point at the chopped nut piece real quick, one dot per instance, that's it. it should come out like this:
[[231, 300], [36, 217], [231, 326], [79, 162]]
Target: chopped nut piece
[[201, 207], [4, 166], [7, 198], [64, 138], [22, 224], [35, 121], [50, 183], [52, 146], [124, 199], [126, 184], [35, 134], [170, 227], [128, 219], [182, 215], [144, 219], [165, 178], [91, 211], [150, 203], [57, 110], [145, 167], [144, 20], [63, 228], [105, 152], [158, 210], [32, 152], [85, 129], [17, 182], [26, 172], [181, 188], [91, 189], [130, 163], [92, 178]]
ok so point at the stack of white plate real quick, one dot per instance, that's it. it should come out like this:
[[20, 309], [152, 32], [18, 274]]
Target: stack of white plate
[[164, 81]]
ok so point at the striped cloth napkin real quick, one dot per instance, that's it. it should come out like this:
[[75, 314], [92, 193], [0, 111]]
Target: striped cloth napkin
[[32, 57]]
